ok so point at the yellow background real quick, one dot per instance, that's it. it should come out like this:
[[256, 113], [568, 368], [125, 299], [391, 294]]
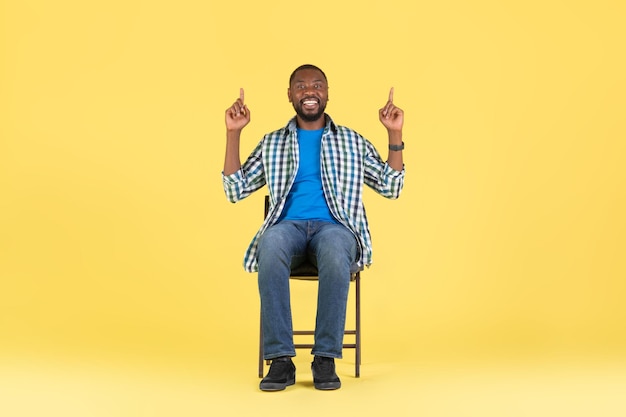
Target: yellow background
[[118, 247]]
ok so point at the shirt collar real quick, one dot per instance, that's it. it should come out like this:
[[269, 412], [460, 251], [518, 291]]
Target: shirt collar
[[292, 126]]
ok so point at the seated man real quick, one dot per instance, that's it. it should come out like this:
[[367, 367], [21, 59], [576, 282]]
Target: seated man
[[314, 170]]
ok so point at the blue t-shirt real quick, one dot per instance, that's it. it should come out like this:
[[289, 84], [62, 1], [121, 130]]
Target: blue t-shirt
[[306, 199]]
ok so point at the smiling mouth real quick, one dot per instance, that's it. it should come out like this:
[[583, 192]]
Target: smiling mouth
[[310, 103]]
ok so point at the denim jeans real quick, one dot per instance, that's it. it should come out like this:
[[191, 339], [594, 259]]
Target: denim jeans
[[333, 248]]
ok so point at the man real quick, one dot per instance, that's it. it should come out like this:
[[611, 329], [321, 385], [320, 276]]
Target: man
[[314, 171]]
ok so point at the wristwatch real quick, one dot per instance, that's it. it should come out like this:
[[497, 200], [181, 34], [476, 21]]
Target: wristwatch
[[396, 147]]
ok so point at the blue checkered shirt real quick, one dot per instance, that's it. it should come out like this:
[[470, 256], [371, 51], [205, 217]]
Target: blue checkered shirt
[[348, 161]]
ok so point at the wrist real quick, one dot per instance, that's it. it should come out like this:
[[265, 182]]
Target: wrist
[[234, 134], [395, 136]]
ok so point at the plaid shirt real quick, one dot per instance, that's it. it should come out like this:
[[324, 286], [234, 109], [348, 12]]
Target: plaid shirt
[[348, 161]]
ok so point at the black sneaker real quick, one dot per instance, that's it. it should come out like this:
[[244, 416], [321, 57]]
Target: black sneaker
[[282, 373], [324, 376]]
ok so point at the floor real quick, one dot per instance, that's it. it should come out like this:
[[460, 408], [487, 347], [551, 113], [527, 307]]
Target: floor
[[393, 388]]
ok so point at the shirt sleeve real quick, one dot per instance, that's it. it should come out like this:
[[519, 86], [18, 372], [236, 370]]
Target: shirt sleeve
[[249, 178], [379, 176]]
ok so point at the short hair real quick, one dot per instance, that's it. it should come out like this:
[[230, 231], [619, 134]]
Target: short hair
[[304, 67]]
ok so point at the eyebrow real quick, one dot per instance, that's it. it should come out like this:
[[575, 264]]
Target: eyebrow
[[302, 81]]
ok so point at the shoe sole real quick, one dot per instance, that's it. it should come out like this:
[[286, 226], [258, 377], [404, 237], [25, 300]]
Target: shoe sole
[[327, 386], [275, 386]]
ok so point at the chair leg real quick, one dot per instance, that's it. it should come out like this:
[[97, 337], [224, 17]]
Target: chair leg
[[261, 349], [357, 360]]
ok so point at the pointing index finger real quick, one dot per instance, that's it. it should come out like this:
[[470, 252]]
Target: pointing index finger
[[241, 95], [391, 95]]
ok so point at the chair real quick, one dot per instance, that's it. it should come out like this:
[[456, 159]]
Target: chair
[[308, 272]]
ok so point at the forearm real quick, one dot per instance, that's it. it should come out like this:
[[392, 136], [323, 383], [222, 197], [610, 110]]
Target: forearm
[[381, 176], [232, 160], [394, 159]]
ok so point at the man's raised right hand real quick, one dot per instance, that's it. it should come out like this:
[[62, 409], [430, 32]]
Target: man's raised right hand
[[237, 115]]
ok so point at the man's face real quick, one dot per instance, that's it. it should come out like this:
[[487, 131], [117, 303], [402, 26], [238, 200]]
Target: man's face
[[308, 93]]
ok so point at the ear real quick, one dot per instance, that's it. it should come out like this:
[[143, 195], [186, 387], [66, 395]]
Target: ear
[[289, 94]]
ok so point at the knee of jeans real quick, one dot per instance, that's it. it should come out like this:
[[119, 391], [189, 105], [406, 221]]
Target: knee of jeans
[[269, 241], [335, 258], [274, 247], [267, 237], [338, 250]]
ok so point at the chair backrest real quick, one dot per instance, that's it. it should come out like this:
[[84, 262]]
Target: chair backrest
[[267, 206]]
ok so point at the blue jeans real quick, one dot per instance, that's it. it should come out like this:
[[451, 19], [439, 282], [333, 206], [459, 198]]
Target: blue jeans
[[333, 248]]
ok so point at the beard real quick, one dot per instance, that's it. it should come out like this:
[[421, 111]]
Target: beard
[[309, 117]]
